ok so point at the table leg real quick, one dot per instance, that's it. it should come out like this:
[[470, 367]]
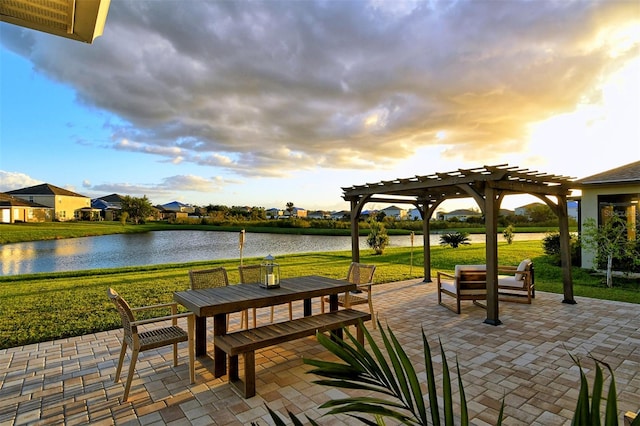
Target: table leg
[[201, 336], [219, 357], [306, 305], [333, 306]]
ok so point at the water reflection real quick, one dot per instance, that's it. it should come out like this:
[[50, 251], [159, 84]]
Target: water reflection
[[159, 247]]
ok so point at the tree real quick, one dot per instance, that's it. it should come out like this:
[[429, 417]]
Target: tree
[[290, 208], [137, 208], [454, 239], [610, 241], [541, 213], [378, 238]]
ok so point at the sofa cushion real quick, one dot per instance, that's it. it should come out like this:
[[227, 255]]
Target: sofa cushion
[[522, 267], [448, 285], [510, 281]]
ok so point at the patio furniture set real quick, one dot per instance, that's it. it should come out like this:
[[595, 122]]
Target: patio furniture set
[[211, 295], [469, 282]]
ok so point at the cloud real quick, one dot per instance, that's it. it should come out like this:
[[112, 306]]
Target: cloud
[[169, 186], [270, 88], [10, 181]]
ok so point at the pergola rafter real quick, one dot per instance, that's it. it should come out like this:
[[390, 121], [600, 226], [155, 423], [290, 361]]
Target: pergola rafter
[[487, 185]]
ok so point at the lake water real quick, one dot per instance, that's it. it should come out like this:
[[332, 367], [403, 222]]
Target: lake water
[[159, 247]]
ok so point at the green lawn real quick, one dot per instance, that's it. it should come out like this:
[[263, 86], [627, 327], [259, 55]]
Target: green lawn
[[42, 307]]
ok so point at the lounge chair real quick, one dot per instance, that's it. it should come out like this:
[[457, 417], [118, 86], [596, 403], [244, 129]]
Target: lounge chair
[[516, 283], [469, 282]]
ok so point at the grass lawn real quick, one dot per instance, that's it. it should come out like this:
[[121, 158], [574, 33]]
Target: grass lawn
[[42, 307]]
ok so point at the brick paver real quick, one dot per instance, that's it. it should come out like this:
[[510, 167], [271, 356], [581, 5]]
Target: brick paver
[[526, 360]]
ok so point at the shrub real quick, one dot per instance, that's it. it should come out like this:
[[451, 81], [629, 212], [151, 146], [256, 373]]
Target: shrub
[[378, 238], [551, 247]]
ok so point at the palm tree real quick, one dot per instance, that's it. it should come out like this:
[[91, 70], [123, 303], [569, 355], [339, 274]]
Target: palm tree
[[290, 208], [454, 239]]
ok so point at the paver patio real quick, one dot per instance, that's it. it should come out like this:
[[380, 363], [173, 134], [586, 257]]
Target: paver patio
[[526, 360]]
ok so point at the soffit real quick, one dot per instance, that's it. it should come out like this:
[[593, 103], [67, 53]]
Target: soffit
[[81, 20]]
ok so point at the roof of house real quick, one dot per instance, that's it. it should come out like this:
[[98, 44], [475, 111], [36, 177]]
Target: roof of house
[[8, 200], [44, 189], [464, 212], [113, 198], [624, 174]]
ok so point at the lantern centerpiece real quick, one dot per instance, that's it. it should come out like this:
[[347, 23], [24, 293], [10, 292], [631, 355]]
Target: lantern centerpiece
[[269, 273]]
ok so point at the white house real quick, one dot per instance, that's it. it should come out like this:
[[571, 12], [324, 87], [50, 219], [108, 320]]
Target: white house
[[394, 212], [460, 214], [613, 192]]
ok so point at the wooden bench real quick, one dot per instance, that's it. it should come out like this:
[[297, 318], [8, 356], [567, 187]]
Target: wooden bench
[[468, 283], [246, 342]]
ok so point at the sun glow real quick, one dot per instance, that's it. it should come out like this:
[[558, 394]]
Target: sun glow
[[607, 132]]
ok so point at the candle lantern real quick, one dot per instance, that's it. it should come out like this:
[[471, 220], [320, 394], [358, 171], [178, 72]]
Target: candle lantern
[[269, 273]]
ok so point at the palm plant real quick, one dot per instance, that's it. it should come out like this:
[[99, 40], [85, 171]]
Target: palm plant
[[392, 377], [454, 239], [395, 379]]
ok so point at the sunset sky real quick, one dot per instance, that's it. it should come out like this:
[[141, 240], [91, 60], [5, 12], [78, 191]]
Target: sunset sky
[[264, 102]]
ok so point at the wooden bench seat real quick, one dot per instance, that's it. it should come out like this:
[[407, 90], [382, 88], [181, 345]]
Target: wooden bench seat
[[246, 342]]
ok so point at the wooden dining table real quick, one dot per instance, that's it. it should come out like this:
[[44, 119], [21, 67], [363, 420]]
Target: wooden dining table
[[220, 301]]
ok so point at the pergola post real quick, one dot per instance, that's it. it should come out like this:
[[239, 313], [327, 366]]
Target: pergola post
[[355, 232], [424, 211], [565, 250], [491, 226]]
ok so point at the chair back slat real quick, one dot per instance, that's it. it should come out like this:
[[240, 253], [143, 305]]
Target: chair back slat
[[249, 274], [360, 273], [125, 312], [208, 278]]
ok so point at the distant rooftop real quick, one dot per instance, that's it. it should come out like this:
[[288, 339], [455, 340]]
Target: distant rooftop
[[44, 189]]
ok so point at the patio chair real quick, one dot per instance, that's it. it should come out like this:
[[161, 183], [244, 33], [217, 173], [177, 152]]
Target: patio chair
[[469, 282], [209, 278], [250, 274], [153, 338], [361, 275], [517, 284]]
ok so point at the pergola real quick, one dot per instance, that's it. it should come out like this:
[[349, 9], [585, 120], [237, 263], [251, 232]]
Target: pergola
[[487, 185]]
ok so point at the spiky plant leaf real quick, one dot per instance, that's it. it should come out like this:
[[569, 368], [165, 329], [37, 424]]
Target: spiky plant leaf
[[431, 382], [412, 379], [464, 414], [596, 397], [277, 421], [611, 410], [446, 389], [404, 393], [373, 409], [581, 413]]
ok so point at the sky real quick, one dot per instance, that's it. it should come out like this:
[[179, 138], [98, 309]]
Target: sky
[[260, 103]]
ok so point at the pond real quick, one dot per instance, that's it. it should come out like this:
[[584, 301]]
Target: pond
[[160, 247]]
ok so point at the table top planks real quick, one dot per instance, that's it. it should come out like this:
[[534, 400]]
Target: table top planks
[[238, 297]]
